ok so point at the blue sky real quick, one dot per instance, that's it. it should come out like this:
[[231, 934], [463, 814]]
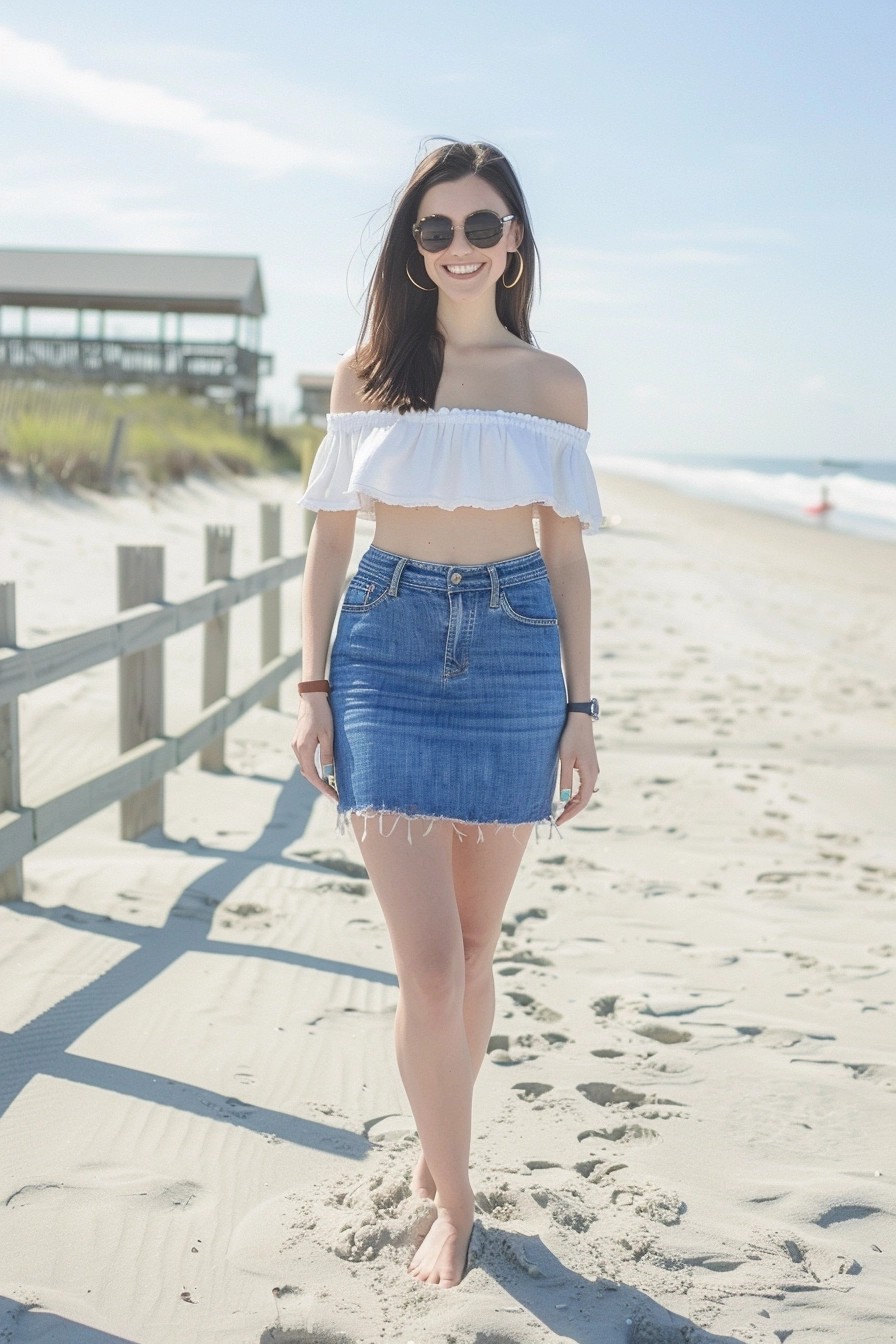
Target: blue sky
[[711, 182]]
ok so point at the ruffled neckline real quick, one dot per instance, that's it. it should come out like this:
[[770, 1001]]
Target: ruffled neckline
[[470, 412]]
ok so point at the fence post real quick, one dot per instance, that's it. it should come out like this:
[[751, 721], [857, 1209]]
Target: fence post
[[218, 561], [113, 459], [141, 578], [271, 600], [12, 885]]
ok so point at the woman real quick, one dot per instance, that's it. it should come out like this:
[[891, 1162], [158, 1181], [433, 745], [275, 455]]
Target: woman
[[459, 673]]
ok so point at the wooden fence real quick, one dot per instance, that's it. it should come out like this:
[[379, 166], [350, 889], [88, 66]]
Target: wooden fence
[[137, 639]]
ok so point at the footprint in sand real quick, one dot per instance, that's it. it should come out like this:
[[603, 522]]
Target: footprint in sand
[[531, 1007], [332, 859], [595, 1169], [555, 1038], [347, 888], [719, 1264], [534, 912], [564, 1208], [531, 1091], [304, 1334], [499, 1050], [609, 1094], [524, 956], [665, 1035], [619, 1133], [660, 1206], [841, 1213]]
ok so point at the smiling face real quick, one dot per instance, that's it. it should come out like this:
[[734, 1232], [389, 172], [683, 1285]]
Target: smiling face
[[463, 271]]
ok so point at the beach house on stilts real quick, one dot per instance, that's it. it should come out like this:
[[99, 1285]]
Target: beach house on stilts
[[185, 320]]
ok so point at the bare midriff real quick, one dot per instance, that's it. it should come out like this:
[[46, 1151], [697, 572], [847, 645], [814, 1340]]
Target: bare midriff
[[461, 536]]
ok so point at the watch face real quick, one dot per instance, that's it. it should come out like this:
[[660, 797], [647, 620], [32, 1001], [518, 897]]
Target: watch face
[[595, 708]]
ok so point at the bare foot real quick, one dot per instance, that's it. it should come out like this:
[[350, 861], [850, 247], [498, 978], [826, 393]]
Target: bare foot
[[441, 1256], [422, 1183]]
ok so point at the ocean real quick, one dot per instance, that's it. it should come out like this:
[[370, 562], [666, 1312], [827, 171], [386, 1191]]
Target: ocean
[[862, 495]]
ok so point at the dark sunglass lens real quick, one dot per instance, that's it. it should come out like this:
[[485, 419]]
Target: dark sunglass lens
[[484, 229], [435, 234]]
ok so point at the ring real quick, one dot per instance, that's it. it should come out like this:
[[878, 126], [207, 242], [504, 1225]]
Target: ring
[[565, 795]]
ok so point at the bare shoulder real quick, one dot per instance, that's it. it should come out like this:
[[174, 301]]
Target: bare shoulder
[[559, 389], [346, 393]]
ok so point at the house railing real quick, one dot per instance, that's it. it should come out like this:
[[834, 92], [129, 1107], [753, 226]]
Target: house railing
[[187, 363]]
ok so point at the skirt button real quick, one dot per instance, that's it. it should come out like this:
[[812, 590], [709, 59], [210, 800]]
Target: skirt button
[[455, 577]]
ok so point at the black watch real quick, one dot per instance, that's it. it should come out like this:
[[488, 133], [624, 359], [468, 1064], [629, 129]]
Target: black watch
[[585, 707]]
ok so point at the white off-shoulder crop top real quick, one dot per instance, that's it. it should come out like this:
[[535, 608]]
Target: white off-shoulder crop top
[[451, 457]]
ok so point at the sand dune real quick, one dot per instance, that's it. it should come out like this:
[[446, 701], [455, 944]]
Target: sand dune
[[683, 1128]]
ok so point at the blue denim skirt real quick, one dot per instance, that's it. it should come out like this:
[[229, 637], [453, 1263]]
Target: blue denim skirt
[[447, 692]]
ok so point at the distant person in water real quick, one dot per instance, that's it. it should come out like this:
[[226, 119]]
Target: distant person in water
[[823, 506]]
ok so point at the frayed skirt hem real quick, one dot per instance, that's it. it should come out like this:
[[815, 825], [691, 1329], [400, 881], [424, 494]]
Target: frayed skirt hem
[[368, 814]]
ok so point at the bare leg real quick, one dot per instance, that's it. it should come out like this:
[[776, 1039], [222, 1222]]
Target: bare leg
[[415, 888], [484, 875]]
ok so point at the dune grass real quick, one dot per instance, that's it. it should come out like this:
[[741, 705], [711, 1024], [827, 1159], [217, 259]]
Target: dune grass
[[62, 434]]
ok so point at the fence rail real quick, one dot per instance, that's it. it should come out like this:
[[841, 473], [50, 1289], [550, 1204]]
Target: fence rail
[[137, 640]]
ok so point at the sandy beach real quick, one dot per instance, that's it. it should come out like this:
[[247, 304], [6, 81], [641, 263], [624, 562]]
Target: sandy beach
[[681, 1128]]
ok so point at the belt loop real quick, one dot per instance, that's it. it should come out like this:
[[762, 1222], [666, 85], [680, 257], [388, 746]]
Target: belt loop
[[493, 575], [396, 575]]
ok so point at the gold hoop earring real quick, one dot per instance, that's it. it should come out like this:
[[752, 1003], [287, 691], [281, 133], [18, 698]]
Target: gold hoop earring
[[519, 274], [427, 289]]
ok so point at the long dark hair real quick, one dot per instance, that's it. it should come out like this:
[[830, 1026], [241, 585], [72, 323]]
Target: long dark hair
[[400, 354]]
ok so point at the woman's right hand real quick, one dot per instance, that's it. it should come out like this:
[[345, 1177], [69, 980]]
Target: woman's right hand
[[314, 726]]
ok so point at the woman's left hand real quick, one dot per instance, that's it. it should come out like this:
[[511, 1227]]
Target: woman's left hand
[[577, 752]]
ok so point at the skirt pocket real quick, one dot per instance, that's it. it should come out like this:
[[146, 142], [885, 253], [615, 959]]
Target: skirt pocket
[[530, 603], [364, 593]]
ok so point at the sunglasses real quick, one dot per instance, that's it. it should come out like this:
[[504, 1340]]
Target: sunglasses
[[484, 228]]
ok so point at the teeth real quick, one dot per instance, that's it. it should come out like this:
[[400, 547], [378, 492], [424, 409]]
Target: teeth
[[464, 270]]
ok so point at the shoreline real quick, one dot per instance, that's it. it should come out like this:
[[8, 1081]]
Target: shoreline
[[842, 520], [711, 512]]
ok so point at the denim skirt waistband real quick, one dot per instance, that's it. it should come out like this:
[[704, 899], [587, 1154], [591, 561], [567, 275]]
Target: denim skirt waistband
[[376, 563]]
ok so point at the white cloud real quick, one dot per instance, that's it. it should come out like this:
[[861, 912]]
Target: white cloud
[[37, 70], [117, 215]]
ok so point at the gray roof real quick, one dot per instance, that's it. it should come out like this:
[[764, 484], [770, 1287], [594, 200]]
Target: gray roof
[[174, 282]]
